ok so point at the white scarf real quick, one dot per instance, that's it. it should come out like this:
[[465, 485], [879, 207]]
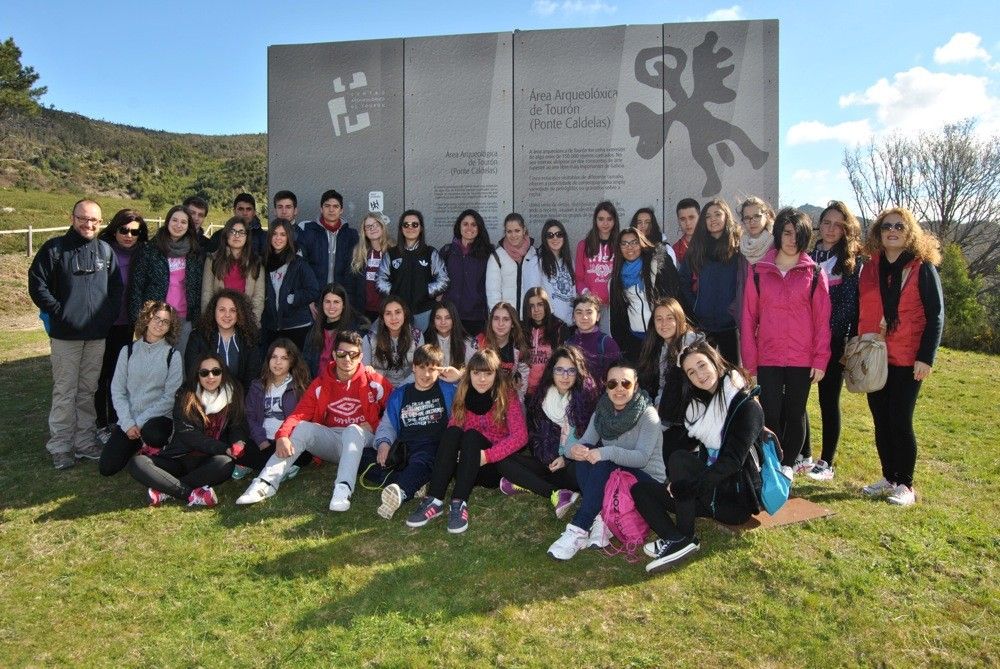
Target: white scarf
[[755, 248], [554, 405], [705, 423], [214, 401]]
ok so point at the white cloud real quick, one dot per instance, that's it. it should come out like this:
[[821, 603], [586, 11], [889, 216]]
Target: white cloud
[[961, 48], [550, 7], [849, 132], [918, 100], [734, 13]]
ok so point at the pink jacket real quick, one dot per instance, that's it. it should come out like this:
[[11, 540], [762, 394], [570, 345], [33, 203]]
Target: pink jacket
[[593, 274], [507, 438], [786, 324]]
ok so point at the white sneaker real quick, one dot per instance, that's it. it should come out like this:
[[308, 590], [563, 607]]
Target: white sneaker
[[653, 548], [821, 471], [258, 491], [341, 500], [803, 465], [789, 472], [598, 534], [878, 489], [392, 498], [569, 543], [902, 495]]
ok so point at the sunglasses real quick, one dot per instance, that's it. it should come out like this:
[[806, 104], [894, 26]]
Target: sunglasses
[[411, 224], [129, 232], [555, 234], [205, 373], [898, 227], [353, 355], [611, 384]]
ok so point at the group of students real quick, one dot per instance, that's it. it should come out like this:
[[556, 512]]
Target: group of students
[[511, 366]]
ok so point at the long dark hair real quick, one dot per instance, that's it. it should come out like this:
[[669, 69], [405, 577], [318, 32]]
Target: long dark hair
[[400, 240], [548, 259], [120, 220], [279, 258], [297, 366], [516, 331], [551, 326], [704, 247], [162, 237], [456, 340], [223, 260], [722, 368], [382, 351], [655, 235], [647, 251], [481, 245], [187, 396], [246, 322], [349, 318], [652, 345], [583, 383], [848, 249], [593, 239]]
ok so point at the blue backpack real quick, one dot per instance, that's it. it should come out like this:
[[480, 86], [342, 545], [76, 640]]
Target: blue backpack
[[765, 453]]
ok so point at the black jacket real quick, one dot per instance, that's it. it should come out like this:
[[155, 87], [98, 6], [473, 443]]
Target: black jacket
[[189, 437], [76, 282], [249, 365], [299, 282]]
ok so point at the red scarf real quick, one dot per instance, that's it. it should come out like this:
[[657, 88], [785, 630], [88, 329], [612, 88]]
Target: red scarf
[[332, 227], [517, 253]]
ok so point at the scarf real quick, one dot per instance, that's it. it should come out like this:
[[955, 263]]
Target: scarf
[[612, 424], [276, 260], [332, 227], [517, 253], [213, 402], [754, 249], [632, 273], [179, 248], [555, 406], [477, 402], [125, 251], [890, 279], [705, 423]]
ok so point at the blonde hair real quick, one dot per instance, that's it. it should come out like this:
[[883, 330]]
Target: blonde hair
[[361, 249], [922, 244], [765, 208]]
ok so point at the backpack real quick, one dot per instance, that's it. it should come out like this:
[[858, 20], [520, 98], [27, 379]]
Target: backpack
[[170, 353], [621, 518], [766, 455]]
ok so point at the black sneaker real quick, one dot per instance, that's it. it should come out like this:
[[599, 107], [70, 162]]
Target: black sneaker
[[672, 552], [458, 516], [428, 509]]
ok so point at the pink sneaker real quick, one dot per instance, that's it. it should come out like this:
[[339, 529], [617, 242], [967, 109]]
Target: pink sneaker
[[203, 496], [509, 488], [156, 498]]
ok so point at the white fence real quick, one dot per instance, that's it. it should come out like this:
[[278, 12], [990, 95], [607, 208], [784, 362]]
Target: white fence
[[31, 231]]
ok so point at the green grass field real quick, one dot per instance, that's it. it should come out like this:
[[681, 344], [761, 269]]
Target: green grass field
[[90, 576]]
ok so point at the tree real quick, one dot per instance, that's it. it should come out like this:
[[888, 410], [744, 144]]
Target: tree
[[16, 82], [965, 322], [950, 180]]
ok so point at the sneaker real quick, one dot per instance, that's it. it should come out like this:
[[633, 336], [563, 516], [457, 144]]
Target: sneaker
[[653, 548], [821, 471], [509, 488], [569, 543], [392, 498], [563, 499], [789, 472], [203, 496], [104, 435], [291, 471], [429, 509], [63, 460], [673, 552], [803, 465], [880, 488], [156, 498], [92, 452], [258, 491], [341, 500], [598, 534], [241, 472], [902, 495], [458, 516], [421, 492]]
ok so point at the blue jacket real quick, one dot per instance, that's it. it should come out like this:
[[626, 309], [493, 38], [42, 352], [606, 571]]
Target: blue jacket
[[717, 303], [300, 283], [388, 427], [315, 248]]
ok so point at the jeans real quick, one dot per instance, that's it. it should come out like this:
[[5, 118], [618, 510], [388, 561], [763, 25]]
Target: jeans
[[177, 477], [410, 478], [592, 479]]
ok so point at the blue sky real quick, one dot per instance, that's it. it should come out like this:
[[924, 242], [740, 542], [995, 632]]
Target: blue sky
[[849, 70]]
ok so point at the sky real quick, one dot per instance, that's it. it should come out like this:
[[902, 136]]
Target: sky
[[849, 71]]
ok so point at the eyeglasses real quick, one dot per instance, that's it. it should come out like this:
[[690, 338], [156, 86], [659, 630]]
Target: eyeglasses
[[751, 219], [88, 219], [205, 373], [237, 233], [898, 227], [156, 320], [611, 384], [564, 371], [411, 224], [555, 234], [129, 232], [353, 355], [628, 243]]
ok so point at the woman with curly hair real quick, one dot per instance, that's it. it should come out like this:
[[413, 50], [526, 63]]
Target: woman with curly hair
[[147, 375], [235, 265], [900, 296], [838, 253], [228, 329]]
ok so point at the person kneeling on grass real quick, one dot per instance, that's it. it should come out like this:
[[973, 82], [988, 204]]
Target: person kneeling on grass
[[718, 479], [210, 431], [486, 426], [416, 417], [627, 426], [333, 421], [558, 415]]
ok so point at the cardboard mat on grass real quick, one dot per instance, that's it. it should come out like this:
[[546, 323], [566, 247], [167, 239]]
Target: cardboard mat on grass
[[795, 510]]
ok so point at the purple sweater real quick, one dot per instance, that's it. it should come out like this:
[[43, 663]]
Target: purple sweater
[[599, 349], [124, 261]]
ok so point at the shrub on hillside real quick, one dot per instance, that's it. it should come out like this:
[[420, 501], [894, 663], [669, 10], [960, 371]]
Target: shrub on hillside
[[966, 325]]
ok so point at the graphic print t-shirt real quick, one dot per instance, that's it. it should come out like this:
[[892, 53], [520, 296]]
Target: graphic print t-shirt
[[423, 415]]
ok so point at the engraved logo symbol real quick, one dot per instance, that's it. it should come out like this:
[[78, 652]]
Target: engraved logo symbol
[[338, 106]]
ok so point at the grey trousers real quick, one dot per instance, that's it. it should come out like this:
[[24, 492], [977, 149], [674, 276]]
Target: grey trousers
[[76, 367], [333, 444]]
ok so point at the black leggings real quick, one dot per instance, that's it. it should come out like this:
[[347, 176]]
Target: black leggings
[[675, 438], [829, 400], [458, 457], [728, 343], [892, 412], [118, 337], [654, 503], [527, 471], [119, 449], [177, 477], [784, 392]]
